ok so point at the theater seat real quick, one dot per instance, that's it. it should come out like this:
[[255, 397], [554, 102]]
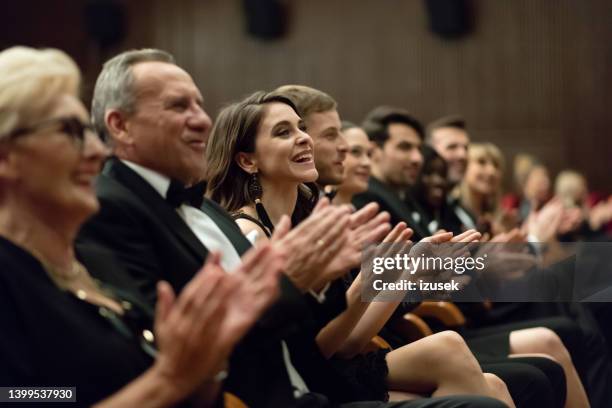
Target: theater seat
[[411, 327], [446, 312], [377, 342], [232, 401]]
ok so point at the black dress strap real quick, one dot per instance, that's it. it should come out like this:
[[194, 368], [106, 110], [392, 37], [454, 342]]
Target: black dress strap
[[254, 220]]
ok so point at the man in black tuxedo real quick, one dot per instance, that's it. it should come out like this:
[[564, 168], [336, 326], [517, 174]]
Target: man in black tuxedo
[[396, 164], [150, 112]]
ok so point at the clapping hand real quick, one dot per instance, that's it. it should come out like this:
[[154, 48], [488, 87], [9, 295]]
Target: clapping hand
[[312, 245], [186, 328], [197, 331]]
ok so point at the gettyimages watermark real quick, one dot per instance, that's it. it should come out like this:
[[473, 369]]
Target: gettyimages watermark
[[475, 272]]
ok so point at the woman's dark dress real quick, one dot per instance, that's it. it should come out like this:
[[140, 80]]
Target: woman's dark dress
[[51, 338]]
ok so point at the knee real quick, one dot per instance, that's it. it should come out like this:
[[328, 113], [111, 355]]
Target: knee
[[496, 384], [453, 352], [498, 388], [550, 343], [451, 340]]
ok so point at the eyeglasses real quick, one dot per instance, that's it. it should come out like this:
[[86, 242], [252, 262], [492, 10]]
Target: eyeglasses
[[72, 126]]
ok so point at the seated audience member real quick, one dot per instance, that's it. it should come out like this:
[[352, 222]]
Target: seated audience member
[[396, 163], [431, 191], [581, 222], [357, 165], [521, 165], [61, 327], [259, 162], [537, 190], [449, 137], [480, 189], [151, 112]]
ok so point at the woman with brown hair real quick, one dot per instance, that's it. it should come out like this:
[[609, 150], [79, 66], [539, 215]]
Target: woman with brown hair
[[260, 166]]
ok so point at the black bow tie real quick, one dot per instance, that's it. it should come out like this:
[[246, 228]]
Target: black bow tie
[[331, 194], [179, 194]]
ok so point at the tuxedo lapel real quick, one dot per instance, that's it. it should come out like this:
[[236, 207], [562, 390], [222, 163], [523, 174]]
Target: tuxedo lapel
[[156, 204], [395, 204], [391, 199]]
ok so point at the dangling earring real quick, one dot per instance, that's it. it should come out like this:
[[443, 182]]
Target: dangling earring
[[256, 191], [254, 187]]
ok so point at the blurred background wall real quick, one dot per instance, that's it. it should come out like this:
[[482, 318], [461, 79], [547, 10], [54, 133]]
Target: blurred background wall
[[530, 75]]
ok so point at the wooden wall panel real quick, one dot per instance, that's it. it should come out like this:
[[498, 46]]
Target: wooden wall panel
[[535, 75]]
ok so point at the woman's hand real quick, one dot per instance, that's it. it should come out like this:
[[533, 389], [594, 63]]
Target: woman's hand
[[313, 244], [187, 328]]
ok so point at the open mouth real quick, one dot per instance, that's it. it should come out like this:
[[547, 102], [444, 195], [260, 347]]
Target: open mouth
[[304, 157]]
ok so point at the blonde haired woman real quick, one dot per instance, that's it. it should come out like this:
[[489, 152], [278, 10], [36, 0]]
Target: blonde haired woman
[[480, 190]]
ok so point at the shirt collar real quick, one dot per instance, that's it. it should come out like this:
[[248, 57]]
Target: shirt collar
[[157, 180]]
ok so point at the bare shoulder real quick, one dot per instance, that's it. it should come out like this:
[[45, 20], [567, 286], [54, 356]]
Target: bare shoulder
[[251, 230]]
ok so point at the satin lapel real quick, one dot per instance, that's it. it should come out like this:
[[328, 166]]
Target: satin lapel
[[227, 225], [156, 204], [396, 204], [391, 199]]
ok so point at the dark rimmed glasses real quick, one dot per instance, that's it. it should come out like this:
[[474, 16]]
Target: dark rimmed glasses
[[71, 126]]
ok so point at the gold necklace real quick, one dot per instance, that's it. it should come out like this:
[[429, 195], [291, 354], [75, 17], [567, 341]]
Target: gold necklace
[[76, 279]]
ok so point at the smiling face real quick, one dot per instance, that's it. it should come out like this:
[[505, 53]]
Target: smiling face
[[452, 144], [169, 129], [435, 183], [400, 158], [330, 147], [483, 174], [48, 171], [358, 161], [283, 150]]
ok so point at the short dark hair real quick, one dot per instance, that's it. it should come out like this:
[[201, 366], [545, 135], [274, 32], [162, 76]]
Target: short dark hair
[[378, 120], [452, 121]]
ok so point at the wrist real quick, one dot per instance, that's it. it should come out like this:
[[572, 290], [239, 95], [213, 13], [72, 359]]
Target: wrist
[[164, 388], [301, 283]]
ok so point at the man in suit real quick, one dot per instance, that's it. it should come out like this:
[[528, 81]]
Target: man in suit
[[150, 112], [396, 164], [449, 137]]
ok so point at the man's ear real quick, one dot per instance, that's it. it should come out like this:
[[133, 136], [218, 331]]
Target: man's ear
[[247, 162], [117, 126]]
